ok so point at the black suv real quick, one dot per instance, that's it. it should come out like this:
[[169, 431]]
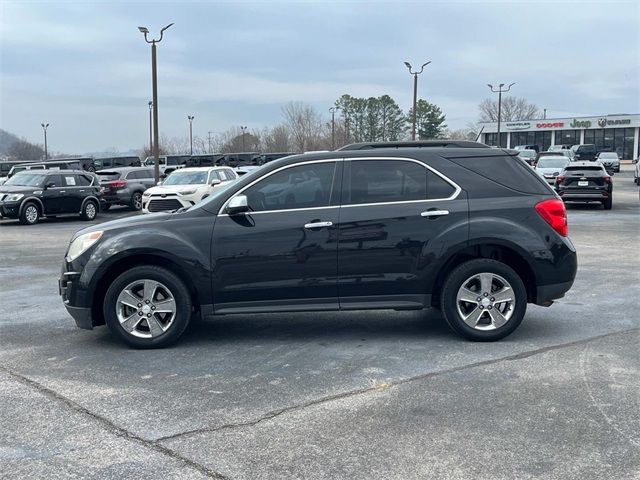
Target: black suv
[[585, 151], [585, 182], [468, 230], [33, 194]]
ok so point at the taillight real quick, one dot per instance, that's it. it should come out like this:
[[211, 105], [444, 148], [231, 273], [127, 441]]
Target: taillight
[[559, 179], [117, 184], [554, 213], [606, 179]]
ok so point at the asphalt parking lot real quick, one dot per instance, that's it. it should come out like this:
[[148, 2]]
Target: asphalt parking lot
[[350, 395]]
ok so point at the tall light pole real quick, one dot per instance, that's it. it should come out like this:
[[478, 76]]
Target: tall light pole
[[150, 126], [500, 91], [191, 117], [244, 129], [154, 81], [44, 128], [415, 94], [333, 126]]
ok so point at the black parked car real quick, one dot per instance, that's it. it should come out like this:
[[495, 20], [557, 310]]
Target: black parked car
[[33, 194], [124, 186], [585, 182], [113, 162], [585, 151], [471, 231]]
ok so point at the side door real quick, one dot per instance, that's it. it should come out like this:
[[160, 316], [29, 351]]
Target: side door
[[282, 253], [396, 219], [70, 197], [53, 194], [146, 178]]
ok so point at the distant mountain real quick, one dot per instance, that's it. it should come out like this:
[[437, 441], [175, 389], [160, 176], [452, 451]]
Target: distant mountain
[[6, 141], [13, 147]]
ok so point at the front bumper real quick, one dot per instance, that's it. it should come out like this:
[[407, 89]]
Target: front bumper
[[74, 298], [9, 209]]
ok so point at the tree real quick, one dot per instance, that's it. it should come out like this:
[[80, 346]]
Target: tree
[[23, 150], [429, 120], [305, 126], [513, 109], [393, 121]]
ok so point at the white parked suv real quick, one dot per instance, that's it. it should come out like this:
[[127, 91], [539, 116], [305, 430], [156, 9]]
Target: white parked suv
[[185, 187]]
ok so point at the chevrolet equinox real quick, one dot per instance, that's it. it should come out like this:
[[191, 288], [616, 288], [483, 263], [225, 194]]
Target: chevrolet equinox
[[461, 227]]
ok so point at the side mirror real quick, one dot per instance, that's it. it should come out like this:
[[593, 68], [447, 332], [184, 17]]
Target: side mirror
[[216, 181], [237, 205]]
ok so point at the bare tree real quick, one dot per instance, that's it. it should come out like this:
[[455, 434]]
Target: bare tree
[[305, 124], [513, 109], [24, 150], [276, 139]]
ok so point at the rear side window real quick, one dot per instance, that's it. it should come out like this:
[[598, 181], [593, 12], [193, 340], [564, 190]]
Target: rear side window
[[507, 171], [70, 180], [133, 175], [83, 180], [381, 181]]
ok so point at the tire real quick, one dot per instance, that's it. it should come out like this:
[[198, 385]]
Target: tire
[[608, 203], [136, 201], [30, 214], [493, 320], [120, 307], [89, 210]]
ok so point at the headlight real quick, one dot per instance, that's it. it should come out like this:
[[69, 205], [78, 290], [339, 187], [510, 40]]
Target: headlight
[[81, 244], [188, 192], [13, 197], [146, 194]]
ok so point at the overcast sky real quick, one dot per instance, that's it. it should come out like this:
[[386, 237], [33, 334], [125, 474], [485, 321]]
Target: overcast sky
[[83, 66]]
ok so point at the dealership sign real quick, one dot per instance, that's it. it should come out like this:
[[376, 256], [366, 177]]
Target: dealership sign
[[616, 121], [518, 125]]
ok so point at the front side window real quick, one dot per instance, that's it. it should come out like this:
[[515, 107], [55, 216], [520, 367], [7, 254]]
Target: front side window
[[303, 186]]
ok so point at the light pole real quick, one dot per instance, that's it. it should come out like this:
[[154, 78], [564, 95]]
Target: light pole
[[500, 91], [154, 81], [244, 129], [44, 128], [415, 94], [191, 117], [150, 127], [333, 126]]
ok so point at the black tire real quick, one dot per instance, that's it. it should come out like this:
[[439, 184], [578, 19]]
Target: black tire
[[89, 210], [30, 214], [459, 277], [608, 203], [136, 201], [176, 287]]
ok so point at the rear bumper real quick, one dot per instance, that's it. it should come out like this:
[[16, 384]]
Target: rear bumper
[[548, 293], [584, 195]]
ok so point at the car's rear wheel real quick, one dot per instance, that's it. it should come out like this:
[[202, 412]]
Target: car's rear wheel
[[147, 307], [30, 214], [136, 201], [89, 210], [608, 203], [483, 300]]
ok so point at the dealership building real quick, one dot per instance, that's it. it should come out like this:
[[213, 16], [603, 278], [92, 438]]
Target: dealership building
[[617, 133]]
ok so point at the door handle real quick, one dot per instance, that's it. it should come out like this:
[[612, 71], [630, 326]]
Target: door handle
[[318, 224], [62, 191], [434, 213]]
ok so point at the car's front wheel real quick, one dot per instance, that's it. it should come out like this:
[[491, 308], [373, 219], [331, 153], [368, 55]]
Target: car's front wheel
[[483, 300], [136, 201], [147, 307], [30, 214]]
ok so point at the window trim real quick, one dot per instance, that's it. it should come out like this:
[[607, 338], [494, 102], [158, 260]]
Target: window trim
[[453, 196]]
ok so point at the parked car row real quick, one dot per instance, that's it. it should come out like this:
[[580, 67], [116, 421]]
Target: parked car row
[[584, 152]]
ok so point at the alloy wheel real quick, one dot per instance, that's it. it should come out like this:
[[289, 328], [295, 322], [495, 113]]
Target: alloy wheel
[[31, 213], [485, 301], [146, 308], [90, 211]]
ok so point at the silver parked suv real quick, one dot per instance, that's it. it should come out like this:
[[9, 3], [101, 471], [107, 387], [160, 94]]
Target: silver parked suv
[[124, 186]]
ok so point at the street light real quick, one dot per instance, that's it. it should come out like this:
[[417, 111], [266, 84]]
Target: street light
[[415, 94], [209, 135], [154, 81], [191, 117], [244, 129], [150, 126], [333, 126], [500, 91], [44, 128]]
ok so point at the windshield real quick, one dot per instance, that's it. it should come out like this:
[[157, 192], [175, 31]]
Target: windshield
[[608, 155], [527, 153], [551, 162], [27, 180], [186, 178]]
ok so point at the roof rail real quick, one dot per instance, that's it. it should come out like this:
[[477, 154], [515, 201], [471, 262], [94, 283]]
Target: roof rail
[[416, 144]]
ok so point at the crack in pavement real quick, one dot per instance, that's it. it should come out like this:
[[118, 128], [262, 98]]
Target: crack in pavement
[[361, 391], [109, 425]]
